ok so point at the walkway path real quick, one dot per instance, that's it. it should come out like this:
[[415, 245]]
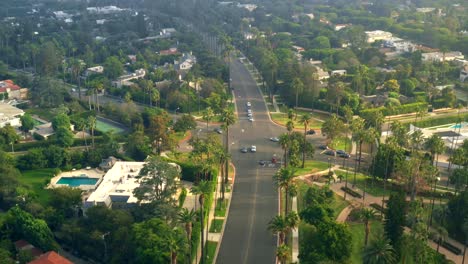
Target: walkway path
[[370, 199]]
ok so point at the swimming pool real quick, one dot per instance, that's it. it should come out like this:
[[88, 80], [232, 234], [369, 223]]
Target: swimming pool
[[459, 125], [77, 181]]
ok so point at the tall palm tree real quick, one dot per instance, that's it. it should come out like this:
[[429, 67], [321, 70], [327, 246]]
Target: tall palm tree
[[305, 120], [208, 115], [359, 135], [202, 189], [298, 87], [176, 243], [284, 142], [283, 224], [366, 216], [81, 125], [380, 251], [228, 118], [187, 218], [284, 179], [92, 126], [436, 146], [283, 253]]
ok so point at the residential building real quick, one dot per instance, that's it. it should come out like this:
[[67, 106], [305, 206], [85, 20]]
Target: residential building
[[441, 56], [376, 35], [94, 70], [125, 80], [50, 257], [322, 75], [12, 91], [249, 7], [339, 27], [464, 73], [104, 10], [10, 115], [338, 73], [117, 186], [170, 51], [185, 62], [167, 32], [46, 130]]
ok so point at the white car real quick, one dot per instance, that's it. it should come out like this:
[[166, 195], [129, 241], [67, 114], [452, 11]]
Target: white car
[[249, 114], [249, 104], [274, 139], [253, 148], [251, 119], [249, 111]]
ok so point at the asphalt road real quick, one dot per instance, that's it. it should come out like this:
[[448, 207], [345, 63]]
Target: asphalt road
[[254, 201]]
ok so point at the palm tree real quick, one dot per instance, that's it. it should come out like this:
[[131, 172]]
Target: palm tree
[[202, 189], [436, 146], [440, 235], [298, 87], [284, 179], [283, 224], [284, 142], [81, 125], [380, 251], [187, 218], [208, 115], [176, 243], [366, 216], [359, 135], [305, 120], [229, 118], [283, 253], [92, 126]]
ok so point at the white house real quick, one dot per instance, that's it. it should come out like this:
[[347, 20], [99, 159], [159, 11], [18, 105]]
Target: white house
[[125, 79], [117, 186], [94, 70], [440, 56], [104, 10], [186, 62], [10, 115], [373, 36], [167, 32], [338, 73]]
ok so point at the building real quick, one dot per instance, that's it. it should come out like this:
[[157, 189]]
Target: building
[[464, 73], [167, 32], [376, 35], [94, 70], [117, 186], [23, 245], [339, 27], [186, 62], [46, 130], [10, 115], [104, 10], [50, 257], [170, 51], [322, 75], [249, 7], [338, 73], [441, 56], [9, 90], [125, 80]]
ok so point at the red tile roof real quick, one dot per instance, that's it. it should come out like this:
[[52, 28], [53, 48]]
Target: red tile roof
[[8, 84], [51, 257]]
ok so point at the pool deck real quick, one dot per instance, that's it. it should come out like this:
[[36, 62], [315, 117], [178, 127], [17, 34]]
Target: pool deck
[[91, 173]]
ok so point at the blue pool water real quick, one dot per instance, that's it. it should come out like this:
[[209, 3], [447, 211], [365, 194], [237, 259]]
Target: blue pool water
[[77, 181], [456, 126]]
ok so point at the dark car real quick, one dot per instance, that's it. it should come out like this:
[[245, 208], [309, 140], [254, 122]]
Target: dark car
[[311, 132], [244, 150], [330, 152], [323, 147], [340, 152], [218, 130], [344, 155]]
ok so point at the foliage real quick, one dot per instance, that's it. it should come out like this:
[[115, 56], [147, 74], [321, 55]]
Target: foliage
[[379, 251], [185, 123], [395, 219], [458, 215]]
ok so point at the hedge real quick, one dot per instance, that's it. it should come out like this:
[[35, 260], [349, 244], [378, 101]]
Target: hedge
[[351, 192], [438, 121], [449, 247], [402, 109], [47, 143]]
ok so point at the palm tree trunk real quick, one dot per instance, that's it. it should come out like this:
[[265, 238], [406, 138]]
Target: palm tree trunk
[[286, 190], [223, 183], [226, 166], [303, 147], [366, 238], [202, 232]]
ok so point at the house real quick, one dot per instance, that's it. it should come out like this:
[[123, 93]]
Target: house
[[125, 80], [248, 35], [46, 130], [376, 35], [132, 58], [339, 27], [23, 245], [464, 73], [10, 115], [94, 70], [104, 10], [50, 257], [441, 56], [338, 73], [167, 32], [116, 188], [185, 62], [399, 45], [425, 9], [249, 7], [322, 75], [170, 51], [12, 91]]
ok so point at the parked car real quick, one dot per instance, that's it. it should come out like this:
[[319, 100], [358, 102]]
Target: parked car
[[249, 111], [248, 104], [311, 132], [330, 152], [340, 152], [262, 162], [253, 148], [344, 155], [251, 119], [323, 147], [218, 130], [274, 139], [244, 150], [249, 114]]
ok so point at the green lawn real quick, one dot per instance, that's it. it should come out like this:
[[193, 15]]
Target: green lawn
[[312, 166], [216, 225], [338, 204], [282, 119], [374, 188], [35, 181], [220, 209], [210, 251], [342, 143], [44, 113], [358, 234]]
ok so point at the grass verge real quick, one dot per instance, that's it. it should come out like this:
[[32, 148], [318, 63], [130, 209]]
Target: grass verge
[[216, 225], [220, 209], [312, 166], [210, 251]]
